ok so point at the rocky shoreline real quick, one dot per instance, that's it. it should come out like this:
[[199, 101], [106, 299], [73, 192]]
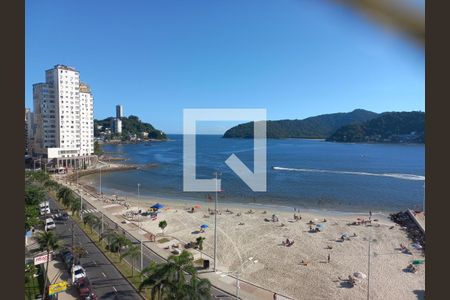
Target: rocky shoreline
[[414, 232]]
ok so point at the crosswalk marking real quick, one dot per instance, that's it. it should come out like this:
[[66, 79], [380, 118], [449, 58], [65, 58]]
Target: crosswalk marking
[[90, 210]]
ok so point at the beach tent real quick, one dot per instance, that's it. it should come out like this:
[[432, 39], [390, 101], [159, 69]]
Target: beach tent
[[204, 226], [157, 206]]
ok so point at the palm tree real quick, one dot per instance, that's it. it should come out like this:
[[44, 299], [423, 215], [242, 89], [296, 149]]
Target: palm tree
[[197, 289], [92, 220], [119, 241], [78, 253], [162, 225], [155, 276], [75, 205], [200, 240], [65, 194], [109, 236], [133, 252], [168, 279], [48, 242]]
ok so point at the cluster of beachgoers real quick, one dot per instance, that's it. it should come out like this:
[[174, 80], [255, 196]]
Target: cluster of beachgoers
[[328, 260]]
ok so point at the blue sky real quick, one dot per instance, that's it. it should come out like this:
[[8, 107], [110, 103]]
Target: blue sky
[[294, 58]]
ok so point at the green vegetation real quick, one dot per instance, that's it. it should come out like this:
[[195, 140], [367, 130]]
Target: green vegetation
[[168, 280], [35, 185], [32, 282], [389, 127], [163, 240], [162, 225], [319, 127], [47, 242], [97, 148], [130, 126], [200, 240], [133, 253]]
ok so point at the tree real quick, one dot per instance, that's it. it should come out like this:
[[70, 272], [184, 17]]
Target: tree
[[200, 240], [162, 225], [156, 277], [51, 184], [92, 220], [108, 235], [64, 194], [78, 253], [197, 289], [75, 205], [168, 279], [48, 242], [115, 241], [133, 253], [97, 148], [31, 217], [119, 241], [34, 195]]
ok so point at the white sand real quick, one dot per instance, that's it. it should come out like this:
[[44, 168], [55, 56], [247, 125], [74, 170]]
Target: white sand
[[278, 267]]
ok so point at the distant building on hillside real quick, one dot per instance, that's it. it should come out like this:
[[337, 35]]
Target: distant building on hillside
[[119, 111], [116, 123]]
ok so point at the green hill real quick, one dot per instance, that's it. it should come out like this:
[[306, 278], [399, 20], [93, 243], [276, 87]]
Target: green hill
[[320, 127], [131, 125], [388, 127]]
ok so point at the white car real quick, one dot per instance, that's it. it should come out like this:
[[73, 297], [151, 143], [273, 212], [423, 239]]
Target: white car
[[44, 208], [77, 273], [49, 224]]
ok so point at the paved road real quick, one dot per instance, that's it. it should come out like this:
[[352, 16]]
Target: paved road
[[149, 255], [106, 281]]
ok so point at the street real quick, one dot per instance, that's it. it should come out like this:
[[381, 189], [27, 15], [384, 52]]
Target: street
[[106, 280]]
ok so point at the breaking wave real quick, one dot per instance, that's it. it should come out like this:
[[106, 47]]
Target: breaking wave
[[391, 175]]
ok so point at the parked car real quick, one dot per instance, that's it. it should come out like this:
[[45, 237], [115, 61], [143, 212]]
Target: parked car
[[68, 259], [44, 208], [49, 224], [63, 252], [85, 289], [62, 216], [78, 272]]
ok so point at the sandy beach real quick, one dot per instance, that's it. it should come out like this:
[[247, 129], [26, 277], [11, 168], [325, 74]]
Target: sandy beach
[[243, 235]]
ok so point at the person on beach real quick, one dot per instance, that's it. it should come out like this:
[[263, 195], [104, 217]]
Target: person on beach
[[370, 214], [328, 257], [274, 296]]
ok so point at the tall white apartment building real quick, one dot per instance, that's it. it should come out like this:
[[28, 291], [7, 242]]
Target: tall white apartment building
[[64, 120]]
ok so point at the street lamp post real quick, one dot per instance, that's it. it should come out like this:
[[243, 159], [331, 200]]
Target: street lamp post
[[101, 183], [215, 223], [368, 269], [139, 222]]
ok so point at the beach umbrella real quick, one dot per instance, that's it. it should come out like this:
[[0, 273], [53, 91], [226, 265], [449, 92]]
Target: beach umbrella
[[360, 275], [321, 226], [310, 223], [204, 226], [418, 261], [345, 235], [157, 206], [197, 205]]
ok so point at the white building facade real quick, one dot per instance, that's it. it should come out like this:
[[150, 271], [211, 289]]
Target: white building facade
[[64, 120]]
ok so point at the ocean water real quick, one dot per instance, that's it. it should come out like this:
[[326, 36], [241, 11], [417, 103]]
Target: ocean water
[[311, 174]]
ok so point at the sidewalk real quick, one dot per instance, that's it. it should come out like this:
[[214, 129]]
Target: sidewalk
[[220, 280], [57, 272]]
